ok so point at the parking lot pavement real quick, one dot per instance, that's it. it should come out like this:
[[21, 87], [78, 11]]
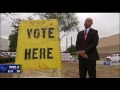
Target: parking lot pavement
[[116, 64], [102, 62], [99, 62]]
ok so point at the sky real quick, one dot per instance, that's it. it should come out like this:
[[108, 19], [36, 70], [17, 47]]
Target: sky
[[107, 24]]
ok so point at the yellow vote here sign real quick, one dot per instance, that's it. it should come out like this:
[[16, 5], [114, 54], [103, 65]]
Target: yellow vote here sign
[[38, 46]]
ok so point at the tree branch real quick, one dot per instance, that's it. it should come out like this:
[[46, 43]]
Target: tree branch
[[65, 35]]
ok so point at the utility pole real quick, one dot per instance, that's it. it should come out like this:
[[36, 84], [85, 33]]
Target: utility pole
[[71, 45], [66, 44]]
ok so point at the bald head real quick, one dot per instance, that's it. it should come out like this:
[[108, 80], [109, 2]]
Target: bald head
[[88, 22]]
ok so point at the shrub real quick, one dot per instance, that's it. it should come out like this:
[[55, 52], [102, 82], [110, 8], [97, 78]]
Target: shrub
[[7, 60]]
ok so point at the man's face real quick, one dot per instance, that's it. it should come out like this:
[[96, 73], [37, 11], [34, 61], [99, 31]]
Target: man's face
[[88, 23]]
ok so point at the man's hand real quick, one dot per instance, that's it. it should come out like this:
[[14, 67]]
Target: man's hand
[[85, 56], [82, 54]]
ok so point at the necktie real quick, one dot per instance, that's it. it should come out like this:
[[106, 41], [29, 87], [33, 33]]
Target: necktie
[[84, 39]]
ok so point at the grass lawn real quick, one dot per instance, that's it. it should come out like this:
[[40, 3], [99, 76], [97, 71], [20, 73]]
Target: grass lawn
[[70, 70]]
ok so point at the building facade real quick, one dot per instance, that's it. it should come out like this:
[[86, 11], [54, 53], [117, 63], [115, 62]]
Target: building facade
[[109, 45], [4, 46]]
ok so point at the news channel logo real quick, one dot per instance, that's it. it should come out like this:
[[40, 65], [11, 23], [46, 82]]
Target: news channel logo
[[8, 68]]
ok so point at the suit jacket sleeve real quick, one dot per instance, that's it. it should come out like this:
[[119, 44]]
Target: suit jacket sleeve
[[94, 43]]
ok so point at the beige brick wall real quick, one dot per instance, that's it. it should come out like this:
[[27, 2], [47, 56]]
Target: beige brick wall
[[109, 45], [109, 41]]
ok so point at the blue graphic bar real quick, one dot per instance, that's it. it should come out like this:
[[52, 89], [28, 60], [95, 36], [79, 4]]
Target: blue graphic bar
[[10, 68]]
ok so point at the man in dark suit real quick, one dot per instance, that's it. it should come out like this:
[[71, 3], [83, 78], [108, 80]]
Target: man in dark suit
[[86, 43]]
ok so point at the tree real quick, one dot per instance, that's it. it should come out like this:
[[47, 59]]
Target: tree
[[71, 49], [67, 21], [14, 35], [2, 15]]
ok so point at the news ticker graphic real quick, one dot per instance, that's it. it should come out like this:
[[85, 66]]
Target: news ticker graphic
[[10, 68]]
